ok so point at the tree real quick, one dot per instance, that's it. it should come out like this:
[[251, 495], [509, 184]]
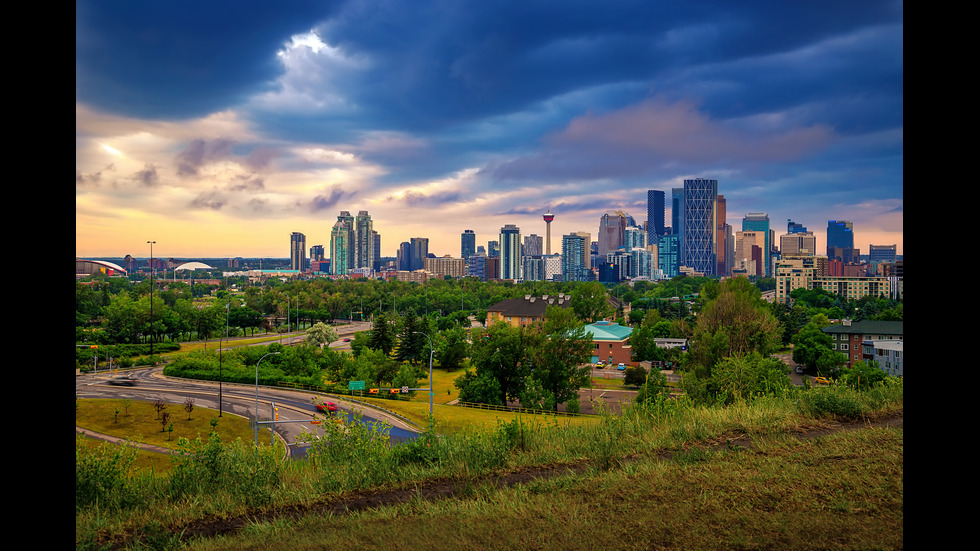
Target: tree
[[502, 353], [734, 321], [320, 335], [741, 378], [863, 375], [382, 337], [589, 301], [813, 349], [560, 359], [412, 343], [451, 348]]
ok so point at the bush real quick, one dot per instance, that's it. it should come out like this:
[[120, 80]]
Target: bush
[[831, 402]]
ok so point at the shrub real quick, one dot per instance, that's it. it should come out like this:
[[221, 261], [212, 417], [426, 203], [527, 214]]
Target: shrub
[[831, 402]]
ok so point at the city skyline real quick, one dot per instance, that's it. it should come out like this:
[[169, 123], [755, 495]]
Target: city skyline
[[439, 119]]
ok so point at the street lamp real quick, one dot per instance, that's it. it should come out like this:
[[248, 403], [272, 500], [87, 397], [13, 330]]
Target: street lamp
[[430, 373], [220, 351], [257, 395], [151, 295]]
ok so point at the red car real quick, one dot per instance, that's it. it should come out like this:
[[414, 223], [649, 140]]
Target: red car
[[327, 407], [346, 340]]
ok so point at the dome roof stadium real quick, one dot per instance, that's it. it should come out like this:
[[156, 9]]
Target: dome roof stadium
[[193, 266], [85, 266]]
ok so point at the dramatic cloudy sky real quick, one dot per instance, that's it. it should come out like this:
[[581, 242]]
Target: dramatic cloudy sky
[[217, 128]]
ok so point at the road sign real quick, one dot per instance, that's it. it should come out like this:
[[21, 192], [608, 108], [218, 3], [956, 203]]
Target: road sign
[[355, 385], [404, 390]]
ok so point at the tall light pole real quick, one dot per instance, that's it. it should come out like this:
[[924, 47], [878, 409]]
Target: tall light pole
[[257, 395], [151, 296], [430, 373], [220, 351]]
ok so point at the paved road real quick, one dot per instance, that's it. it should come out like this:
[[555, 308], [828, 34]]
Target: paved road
[[295, 407]]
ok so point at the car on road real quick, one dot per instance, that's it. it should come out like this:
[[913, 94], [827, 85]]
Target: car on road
[[122, 380], [821, 380], [346, 339], [621, 367], [327, 407]]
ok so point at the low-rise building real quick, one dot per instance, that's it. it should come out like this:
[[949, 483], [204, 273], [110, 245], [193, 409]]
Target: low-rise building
[[849, 337], [525, 311], [611, 343]]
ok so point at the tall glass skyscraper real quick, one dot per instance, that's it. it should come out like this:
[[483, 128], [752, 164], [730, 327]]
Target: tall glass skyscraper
[[655, 214], [840, 234], [364, 253], [467, 244], [297, 251], [759, 222], [510, 252], [700, 224], [573, 252]]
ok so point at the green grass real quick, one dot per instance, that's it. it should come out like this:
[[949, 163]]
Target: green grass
[[839, 492], [140, 422]]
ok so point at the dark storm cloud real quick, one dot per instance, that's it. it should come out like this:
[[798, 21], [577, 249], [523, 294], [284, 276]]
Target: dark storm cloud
[[330, 200], [148, 177]]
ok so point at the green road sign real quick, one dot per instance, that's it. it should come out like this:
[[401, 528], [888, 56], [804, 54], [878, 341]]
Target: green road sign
[[355, 385]]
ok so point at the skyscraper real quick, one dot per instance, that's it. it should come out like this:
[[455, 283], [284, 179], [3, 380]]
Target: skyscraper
[[840, 234], [759, 222], [297, 251], [793, 227], [364, 253], [420, 251], [655, 214], [677, 219], [612, 229], [341, 242], [573, 250], [700, 224], [510, 252], [467, 244], [532, 245]]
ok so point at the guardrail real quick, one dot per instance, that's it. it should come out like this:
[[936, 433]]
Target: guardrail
[[518, 410]]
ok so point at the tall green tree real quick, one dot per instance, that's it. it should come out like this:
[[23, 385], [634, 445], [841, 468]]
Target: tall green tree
[[590, 302], [382, 335], [734, 321], [560, 359], [502, 353], [320, 335], [815, 349]]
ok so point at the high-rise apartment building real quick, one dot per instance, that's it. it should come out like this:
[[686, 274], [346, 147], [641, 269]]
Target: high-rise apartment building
[[297, 251], [467, 244], [655, 214], [669, 255], [533, 245], [700, 224], [677, 219], [364, 253], [510, 252], [574, 248], [420, 251], [341, 243], [759, 222]]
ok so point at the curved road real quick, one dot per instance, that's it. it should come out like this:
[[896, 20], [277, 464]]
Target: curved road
[[295, 407]]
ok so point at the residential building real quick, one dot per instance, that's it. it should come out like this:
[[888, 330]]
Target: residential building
[[573, 264], [888, 355], [533, 245], [812, 272], [297, 251], [849, 337], [446, 266], [525, 311], [341, 247], [510, 252], [364, 252]]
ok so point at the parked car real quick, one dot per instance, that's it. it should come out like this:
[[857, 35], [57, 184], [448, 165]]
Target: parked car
[[799, 369], [600, 365], [621, 367], [821, 380]]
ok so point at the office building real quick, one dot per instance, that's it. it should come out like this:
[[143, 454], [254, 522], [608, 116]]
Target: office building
[[748, 258], [297, 251], [510, 252], [467, 244], [724, 245], [793, 227], [840, 235], [677, 219], [759, 222], [668, 255], [798, 244], [612, 230], [700, 225], [655, 214], [446, 266], [493, 249]]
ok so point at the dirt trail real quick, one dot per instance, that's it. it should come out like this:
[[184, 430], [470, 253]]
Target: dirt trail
[[445, 489]]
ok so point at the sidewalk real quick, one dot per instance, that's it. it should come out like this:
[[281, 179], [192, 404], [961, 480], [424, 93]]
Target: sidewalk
[[116, 440]]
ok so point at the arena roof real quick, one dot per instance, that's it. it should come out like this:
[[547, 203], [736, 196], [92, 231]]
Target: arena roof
[[193, 266]]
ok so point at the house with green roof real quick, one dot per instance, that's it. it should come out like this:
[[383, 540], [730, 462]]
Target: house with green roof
[[611, 343]]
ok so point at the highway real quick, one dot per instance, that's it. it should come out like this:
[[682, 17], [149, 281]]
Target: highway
[[295, 407]]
